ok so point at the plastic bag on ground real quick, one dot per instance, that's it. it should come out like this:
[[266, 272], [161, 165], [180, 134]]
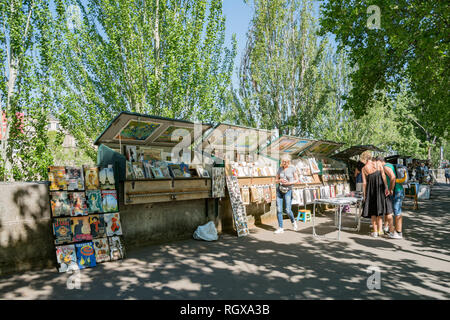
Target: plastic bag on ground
[[207, 232]]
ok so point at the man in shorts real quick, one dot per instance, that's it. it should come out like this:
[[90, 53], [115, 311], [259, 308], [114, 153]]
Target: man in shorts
[[397, 194]]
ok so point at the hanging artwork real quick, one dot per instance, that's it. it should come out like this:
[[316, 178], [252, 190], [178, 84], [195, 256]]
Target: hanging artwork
[[85, 255], [91, 178], [308, 196], [94, 201], [98, 225], [101, 247], [301, 200], [116, 248], [106, 177], [274, 193], [60, 204], [75, 179], [294, 196], [218, 182], [245, 193], [113, 225], [78, 204], [313, 165], [254, 194], [66, 258], [109, 201], [57, 178], [81, 229], [62, 230]]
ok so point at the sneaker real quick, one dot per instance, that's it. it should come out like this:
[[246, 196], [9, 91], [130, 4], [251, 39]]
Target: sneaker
[[295, 225], [395, 235], [386, 230], [279, 230], [374, 235]]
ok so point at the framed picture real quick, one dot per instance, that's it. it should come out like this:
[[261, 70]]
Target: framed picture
[[202, 172], [131, 153]]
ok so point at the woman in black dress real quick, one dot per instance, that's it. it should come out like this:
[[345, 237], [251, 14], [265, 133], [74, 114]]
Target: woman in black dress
[[375, 191]]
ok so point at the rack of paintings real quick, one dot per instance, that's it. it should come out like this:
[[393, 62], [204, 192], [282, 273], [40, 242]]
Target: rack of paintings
[[85, 216], [139, 169]]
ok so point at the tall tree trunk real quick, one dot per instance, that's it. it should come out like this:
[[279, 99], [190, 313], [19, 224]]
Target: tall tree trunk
[[157, 58]]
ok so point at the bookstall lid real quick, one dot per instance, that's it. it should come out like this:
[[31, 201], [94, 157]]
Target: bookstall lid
[[354, 151], [322, 148], [147, 130], [225, 137], [286, 145]]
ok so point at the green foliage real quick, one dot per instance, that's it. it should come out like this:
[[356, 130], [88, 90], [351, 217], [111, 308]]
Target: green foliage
[[161, 57], [26, 54], [283, 80], [411, 44]]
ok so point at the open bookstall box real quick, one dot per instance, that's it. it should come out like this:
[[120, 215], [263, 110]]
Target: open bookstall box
[[249, 177], [157, 158], [319, 175], [85, 216]]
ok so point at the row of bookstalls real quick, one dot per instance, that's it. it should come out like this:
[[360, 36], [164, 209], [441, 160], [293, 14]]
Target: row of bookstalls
[[171, 176]]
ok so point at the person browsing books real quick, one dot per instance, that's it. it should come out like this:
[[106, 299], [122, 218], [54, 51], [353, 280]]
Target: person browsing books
[[286, 177]]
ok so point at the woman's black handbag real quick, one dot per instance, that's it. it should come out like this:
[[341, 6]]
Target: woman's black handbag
[[283, 189]]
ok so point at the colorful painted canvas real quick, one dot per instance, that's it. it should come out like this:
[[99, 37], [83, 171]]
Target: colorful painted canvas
[[91, 178], [85, 255], [81, 229], [166, 172], [157, 172], [75, 179], [62, 230], [185, 169], [101, 247], [78, 203], [174, 134], [98, 225], [60, 204], [106, 177], [57, 178], [113, 225], [66, 257], [94, 201], [137, 131], [116, 248], [109, 203]]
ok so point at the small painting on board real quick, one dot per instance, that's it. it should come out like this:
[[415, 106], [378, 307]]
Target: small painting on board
[[101, 247], [66, 257], [81, 229], [137, 131], [113, 225], [85, 255], [60, 204]]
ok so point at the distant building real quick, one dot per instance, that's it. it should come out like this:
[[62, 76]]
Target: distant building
[[69, 140]]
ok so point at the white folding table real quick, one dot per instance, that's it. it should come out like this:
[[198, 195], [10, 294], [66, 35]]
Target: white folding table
[[338, 203]]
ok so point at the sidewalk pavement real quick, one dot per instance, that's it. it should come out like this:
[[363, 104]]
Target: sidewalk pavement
[[263, 265]]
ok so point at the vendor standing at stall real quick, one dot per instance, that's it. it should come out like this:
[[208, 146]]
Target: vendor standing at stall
[[286, 178]]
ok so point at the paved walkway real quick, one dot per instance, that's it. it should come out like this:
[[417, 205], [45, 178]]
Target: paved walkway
[[293, 265]]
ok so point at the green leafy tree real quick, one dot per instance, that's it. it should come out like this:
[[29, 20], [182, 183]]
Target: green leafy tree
[[410, 44], [282, 83], [26, 96], [161, 57]]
